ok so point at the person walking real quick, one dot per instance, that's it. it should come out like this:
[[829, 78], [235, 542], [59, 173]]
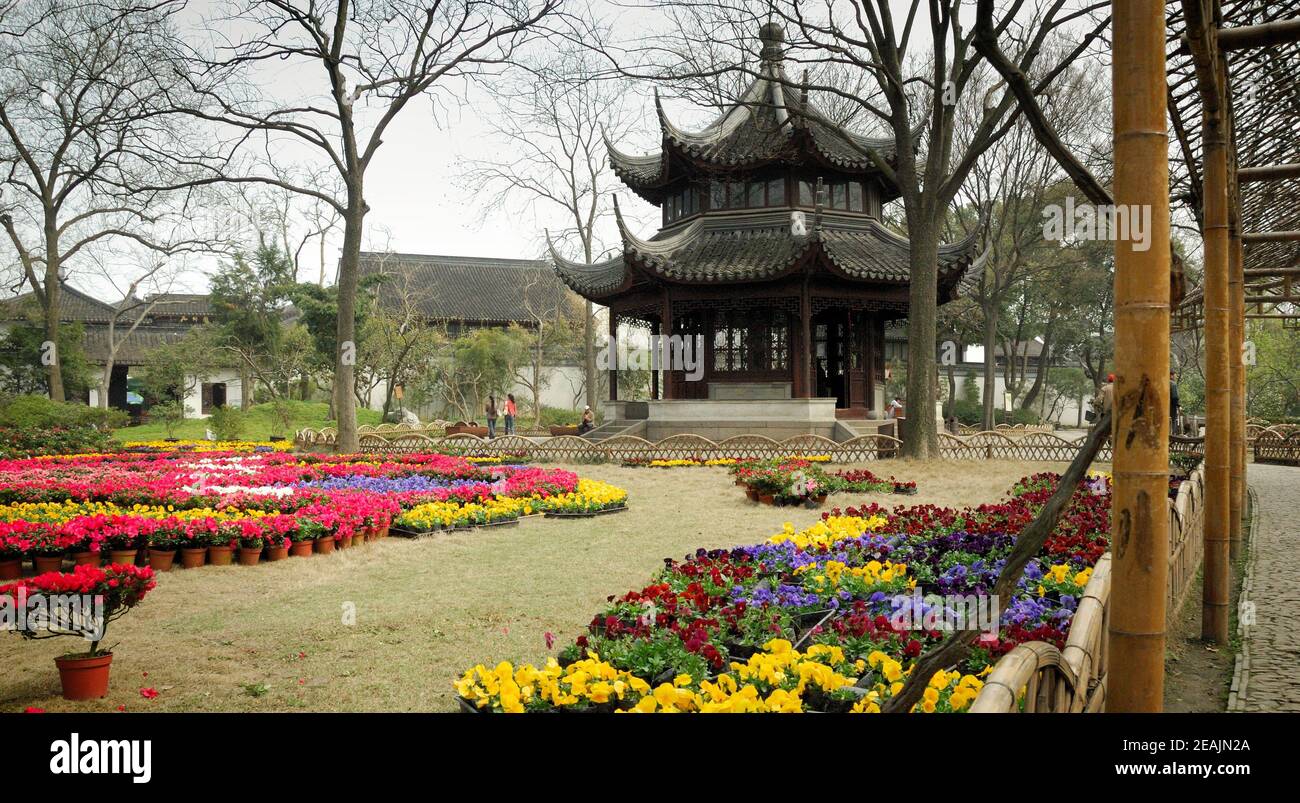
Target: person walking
[[491, 412], [1174, 429], [511, 412]]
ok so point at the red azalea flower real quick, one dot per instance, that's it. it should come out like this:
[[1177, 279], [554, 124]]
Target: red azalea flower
[[31, 709], [149, 693]]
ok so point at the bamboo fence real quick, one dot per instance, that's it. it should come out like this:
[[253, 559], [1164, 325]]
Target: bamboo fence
[[1038, 678]]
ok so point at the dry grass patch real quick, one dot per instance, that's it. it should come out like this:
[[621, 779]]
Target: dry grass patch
[[273, 638]]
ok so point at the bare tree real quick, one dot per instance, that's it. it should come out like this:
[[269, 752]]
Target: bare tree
[[554, 123], [370, 59], [140, 296], [80, 136]]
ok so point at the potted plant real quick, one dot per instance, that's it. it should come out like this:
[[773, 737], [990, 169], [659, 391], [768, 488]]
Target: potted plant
[[123, 545], [282, 415], [252, 540], [221, 543], [94, 597], [11, 552], [163, 542], [46, 550], [194, 546]]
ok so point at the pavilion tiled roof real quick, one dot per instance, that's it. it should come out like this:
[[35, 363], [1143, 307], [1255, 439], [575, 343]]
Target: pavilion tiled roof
[[705, 252], [771, 121]]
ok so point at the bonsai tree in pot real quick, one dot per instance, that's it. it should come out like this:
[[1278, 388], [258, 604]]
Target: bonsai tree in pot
[[282, 416], [80, 603], [171, 413]]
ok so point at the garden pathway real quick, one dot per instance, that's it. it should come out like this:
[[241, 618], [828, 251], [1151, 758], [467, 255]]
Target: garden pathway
[[1265, 678]]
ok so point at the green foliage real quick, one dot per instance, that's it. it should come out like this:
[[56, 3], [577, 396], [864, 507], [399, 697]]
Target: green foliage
[[970, 391], [170, 413], [1273, 383], [227, 423], [21, 369], [173, 371], [559, 417], [260, 422], [38, 412]]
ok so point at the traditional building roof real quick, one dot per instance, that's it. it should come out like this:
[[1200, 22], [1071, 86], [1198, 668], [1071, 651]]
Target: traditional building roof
[[133, 348], [469, 289], [771, 122], [74, 307]]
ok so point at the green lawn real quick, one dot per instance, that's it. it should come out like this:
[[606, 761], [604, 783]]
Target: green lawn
[[259, 423]]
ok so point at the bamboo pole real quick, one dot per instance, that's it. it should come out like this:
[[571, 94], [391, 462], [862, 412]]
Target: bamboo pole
[[1218, 373], [1236, 283], [1237, 326], [1139, 512]]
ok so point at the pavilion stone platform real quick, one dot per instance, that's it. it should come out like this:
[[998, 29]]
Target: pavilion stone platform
[[719, 419]]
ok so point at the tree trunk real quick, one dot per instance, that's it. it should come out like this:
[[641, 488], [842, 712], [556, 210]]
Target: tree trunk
[[990, 363], [589, 356], [922, 436], [106, 381], [345, 403], [53, 297], [1040, 376]]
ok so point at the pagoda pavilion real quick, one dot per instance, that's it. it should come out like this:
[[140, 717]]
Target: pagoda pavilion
[[773, 251]]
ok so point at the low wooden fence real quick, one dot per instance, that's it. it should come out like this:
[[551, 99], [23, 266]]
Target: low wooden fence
[[1277, 445], [1067, 681], [1038, 678], [967, 429], [1034, 446]]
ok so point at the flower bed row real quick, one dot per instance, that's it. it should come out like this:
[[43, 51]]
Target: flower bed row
[[80, 506], [827, 618]]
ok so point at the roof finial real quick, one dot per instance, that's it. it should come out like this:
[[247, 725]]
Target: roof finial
[[773, 38]]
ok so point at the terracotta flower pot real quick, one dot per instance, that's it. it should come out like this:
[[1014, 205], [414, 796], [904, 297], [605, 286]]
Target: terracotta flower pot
[[383, 532], [324, 546], [11, 569], [124, 557], [277, 552], [193, 557], [142, 556], [752, 494], [88, 558], [300, 549], [161, 560], [767, 499], [220, 555], [84, 677], [47, 563], [249, 556]]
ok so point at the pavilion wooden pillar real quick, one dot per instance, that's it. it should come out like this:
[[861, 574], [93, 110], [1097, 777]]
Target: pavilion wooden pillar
[[666, 328], [1140, 438], [613, 356], [655, 352], [806, 344]]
